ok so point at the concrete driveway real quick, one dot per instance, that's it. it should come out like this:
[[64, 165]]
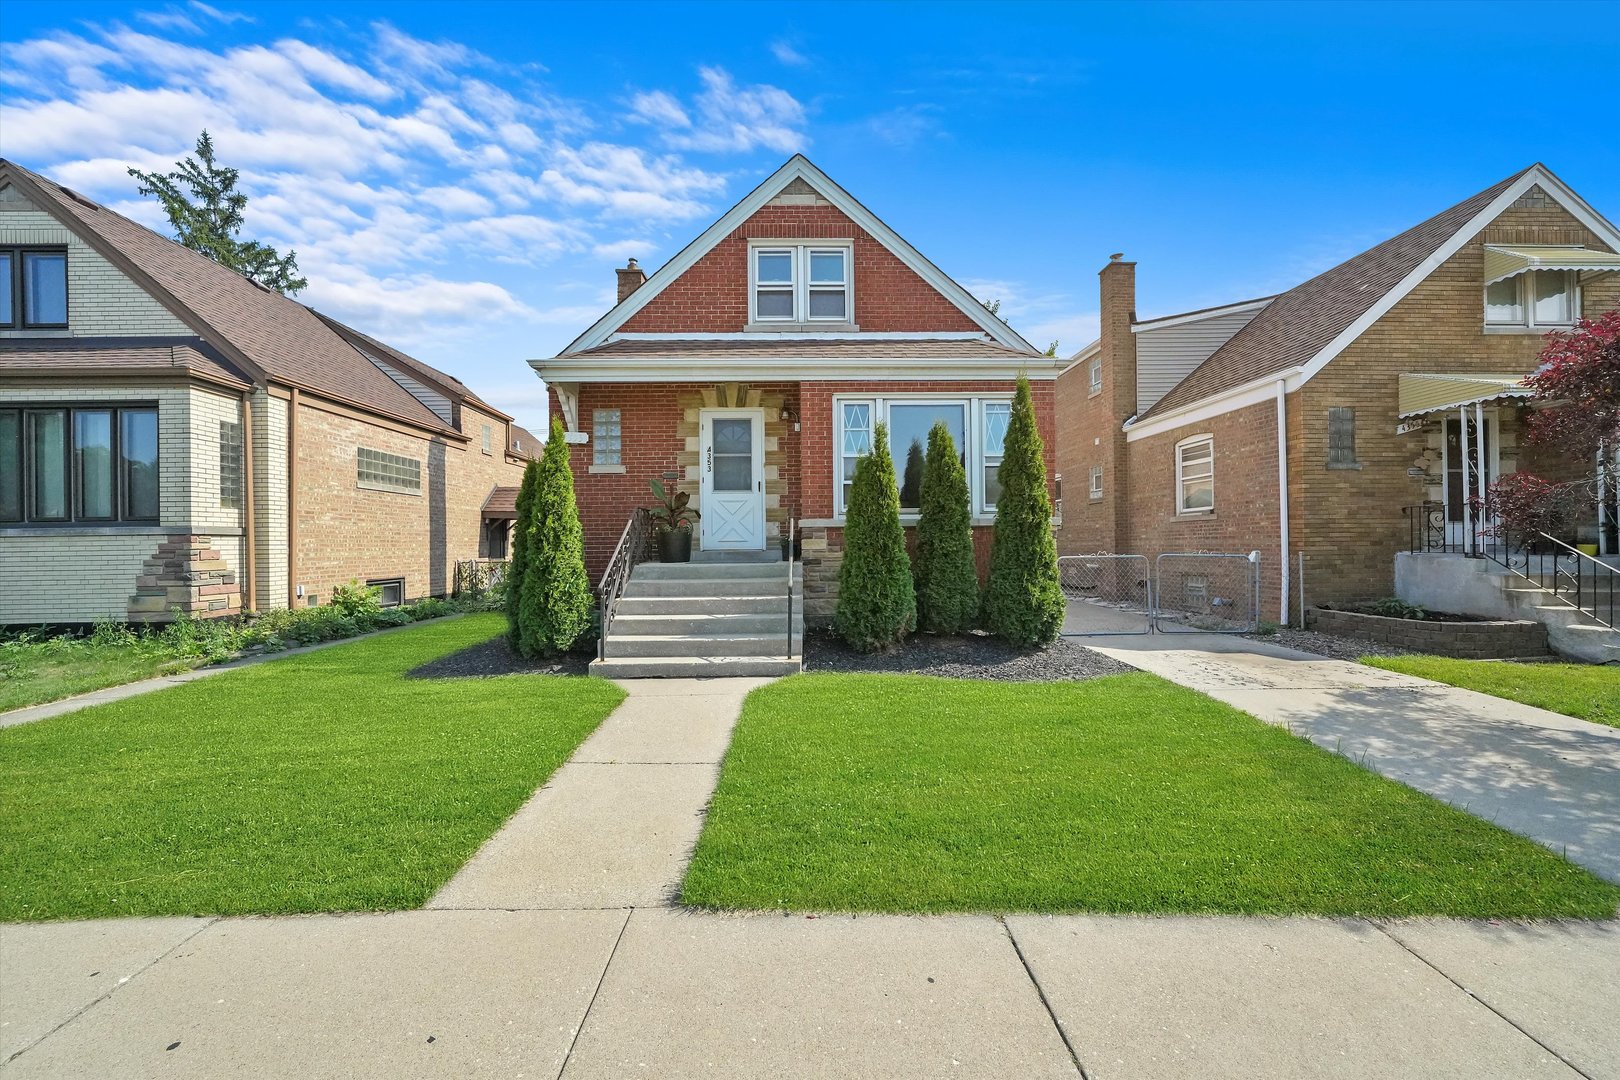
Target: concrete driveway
[[1543, 775]]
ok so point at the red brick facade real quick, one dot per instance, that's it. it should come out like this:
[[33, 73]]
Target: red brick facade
[[712, 296]]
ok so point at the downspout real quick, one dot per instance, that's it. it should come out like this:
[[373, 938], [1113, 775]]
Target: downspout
[[250, 601], [292, 499], [1282, 497]]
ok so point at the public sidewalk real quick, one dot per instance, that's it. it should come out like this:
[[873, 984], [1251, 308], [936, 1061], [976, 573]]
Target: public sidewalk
[[555, 953], [1543, 775]]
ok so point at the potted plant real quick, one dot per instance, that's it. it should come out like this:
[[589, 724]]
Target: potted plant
[[672, 521]]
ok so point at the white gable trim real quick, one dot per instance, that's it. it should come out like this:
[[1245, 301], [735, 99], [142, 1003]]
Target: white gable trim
[[794, 335], [1165, 321], [1239, 397], [797, 167], [1536, 174]]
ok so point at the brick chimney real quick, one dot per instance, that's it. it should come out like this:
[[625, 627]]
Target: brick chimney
[[1117, 350], [631, 278]]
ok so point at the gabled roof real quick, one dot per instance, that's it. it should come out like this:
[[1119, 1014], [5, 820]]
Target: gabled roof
[[799, 167], [1307, 326], [266, 335], [79, 357]]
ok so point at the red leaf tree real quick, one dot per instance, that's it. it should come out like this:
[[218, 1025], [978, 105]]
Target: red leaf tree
[[1576, 388]]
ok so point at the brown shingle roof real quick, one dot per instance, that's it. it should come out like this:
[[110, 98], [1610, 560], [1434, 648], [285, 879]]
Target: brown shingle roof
[[280, 337], [767, 346], [1298, 324], [62, 357], [502, 503], [523, 444]]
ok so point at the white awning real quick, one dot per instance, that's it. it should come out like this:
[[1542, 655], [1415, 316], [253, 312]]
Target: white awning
[[1420, 394], [1505, 261]]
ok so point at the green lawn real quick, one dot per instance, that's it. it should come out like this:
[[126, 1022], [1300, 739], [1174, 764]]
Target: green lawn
[[1586, 691], [322, 782], [1125, 794], [32, 674]]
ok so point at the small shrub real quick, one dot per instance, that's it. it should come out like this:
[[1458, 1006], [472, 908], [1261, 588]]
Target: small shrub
[[356, 600], [429, 607], [394, 616], [947, 578], [1267, 628], [554, 595], [1023, 599], [1395, 608], [877, 601]]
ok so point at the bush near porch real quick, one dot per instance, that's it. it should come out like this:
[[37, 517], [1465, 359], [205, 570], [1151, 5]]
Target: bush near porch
[[1124, 794]]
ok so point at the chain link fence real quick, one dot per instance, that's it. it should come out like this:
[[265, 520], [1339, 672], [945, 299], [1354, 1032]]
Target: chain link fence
[[1107, 594], [1206, 593]]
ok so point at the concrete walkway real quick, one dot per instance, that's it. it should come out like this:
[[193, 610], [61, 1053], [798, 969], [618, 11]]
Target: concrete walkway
[[555, 954], [1543, 775]]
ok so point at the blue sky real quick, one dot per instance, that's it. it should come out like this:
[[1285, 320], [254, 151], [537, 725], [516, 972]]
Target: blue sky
[[461, 179]]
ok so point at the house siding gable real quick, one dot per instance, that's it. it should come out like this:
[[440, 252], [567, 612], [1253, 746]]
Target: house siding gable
[[711, 297]]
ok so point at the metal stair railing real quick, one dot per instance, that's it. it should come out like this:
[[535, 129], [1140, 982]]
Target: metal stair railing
[[792, 562], [633, 548]]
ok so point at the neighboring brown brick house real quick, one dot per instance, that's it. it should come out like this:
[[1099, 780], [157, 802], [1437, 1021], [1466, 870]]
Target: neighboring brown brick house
[[1366, 374], [751, 368], [174, 436]]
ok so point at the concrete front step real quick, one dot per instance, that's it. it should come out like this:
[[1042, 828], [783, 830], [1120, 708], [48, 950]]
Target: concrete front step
[[696, 667], [740, 586], [706, 605], [705, 622], [713, 571], [762, 645]]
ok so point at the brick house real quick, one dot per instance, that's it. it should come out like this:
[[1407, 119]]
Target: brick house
[[172, 435], [1313, 421], [750, 369]]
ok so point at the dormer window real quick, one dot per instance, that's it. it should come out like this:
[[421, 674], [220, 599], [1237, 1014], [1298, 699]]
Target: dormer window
[[33, 288], [800, 283], [1537, 298]]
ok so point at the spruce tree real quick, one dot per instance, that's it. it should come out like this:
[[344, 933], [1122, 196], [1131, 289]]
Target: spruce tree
[[877, 606], [554, 602], [521, 529], [1023, 600], [947, 579]]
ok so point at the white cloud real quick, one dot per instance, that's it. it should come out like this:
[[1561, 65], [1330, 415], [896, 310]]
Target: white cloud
[[623, 249], [725, 117], [1040, 316], [787, 54], [220, 16], [170, 18]]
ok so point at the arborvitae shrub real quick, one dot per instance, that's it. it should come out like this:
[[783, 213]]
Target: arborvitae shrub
[[520, 547], [877, 606], [947, 580], [554, 603], [1023, 600]]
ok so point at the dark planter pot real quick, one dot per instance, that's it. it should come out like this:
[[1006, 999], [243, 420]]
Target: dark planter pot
[[675, 545]]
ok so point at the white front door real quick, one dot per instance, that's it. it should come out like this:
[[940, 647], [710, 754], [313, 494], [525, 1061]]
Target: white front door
[[732, 492], [1483, 465]]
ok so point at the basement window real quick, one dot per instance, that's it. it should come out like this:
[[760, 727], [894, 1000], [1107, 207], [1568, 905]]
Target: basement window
[[391, 591]]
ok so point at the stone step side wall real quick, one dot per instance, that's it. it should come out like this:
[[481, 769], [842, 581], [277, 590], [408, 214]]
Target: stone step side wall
[[185, 573], [1469, 640]]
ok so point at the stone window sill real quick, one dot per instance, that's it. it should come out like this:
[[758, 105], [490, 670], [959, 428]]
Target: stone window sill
[[1527, 331], [1194, 515], [616, 470], [388, 490], [1344, 465], [801, 328]]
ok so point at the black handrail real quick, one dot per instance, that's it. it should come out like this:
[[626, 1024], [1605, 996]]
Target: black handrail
[[634, 546], [1600, 605]]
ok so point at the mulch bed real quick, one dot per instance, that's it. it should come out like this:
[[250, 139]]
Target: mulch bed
[[1331, 646], [977, 656], [496, 657]]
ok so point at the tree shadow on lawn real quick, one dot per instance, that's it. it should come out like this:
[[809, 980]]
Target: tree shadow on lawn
[[497, 657]]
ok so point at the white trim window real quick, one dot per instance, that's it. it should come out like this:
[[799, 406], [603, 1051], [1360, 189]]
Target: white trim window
[[1094, 377], [801, 283], [1534, 299], [1195, 475], [1096, 482], [978, 426], [606, 433]]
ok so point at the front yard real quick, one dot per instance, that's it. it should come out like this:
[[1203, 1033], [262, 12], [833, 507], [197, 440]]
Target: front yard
[[1123, 794], [324, 782], [1584, 691]]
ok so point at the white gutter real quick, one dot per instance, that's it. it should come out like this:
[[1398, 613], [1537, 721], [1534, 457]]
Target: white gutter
[[1282, 494]]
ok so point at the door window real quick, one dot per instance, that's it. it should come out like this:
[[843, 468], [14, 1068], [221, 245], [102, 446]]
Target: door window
[[733, 453]]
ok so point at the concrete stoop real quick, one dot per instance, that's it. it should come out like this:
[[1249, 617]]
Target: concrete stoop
[[709, 619]]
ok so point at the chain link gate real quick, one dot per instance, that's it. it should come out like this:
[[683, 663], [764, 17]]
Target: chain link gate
[[1106, 594], [1206, 593], [1178, 593]]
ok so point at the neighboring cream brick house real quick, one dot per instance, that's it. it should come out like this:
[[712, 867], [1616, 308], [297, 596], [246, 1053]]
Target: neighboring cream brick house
[[1319, 421], [174, 436]]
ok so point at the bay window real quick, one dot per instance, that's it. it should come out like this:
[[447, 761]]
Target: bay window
[[978, 428], [800, 283], [96, 465], [1538, 298]]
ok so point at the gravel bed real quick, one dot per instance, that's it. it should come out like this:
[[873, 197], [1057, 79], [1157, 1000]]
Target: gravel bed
[[496, 657], [1330, 645], [976, 656]]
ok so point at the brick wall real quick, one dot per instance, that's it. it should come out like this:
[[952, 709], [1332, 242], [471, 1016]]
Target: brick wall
[[1090, 425], [1349, 520], [712, 296], [102, 301]]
